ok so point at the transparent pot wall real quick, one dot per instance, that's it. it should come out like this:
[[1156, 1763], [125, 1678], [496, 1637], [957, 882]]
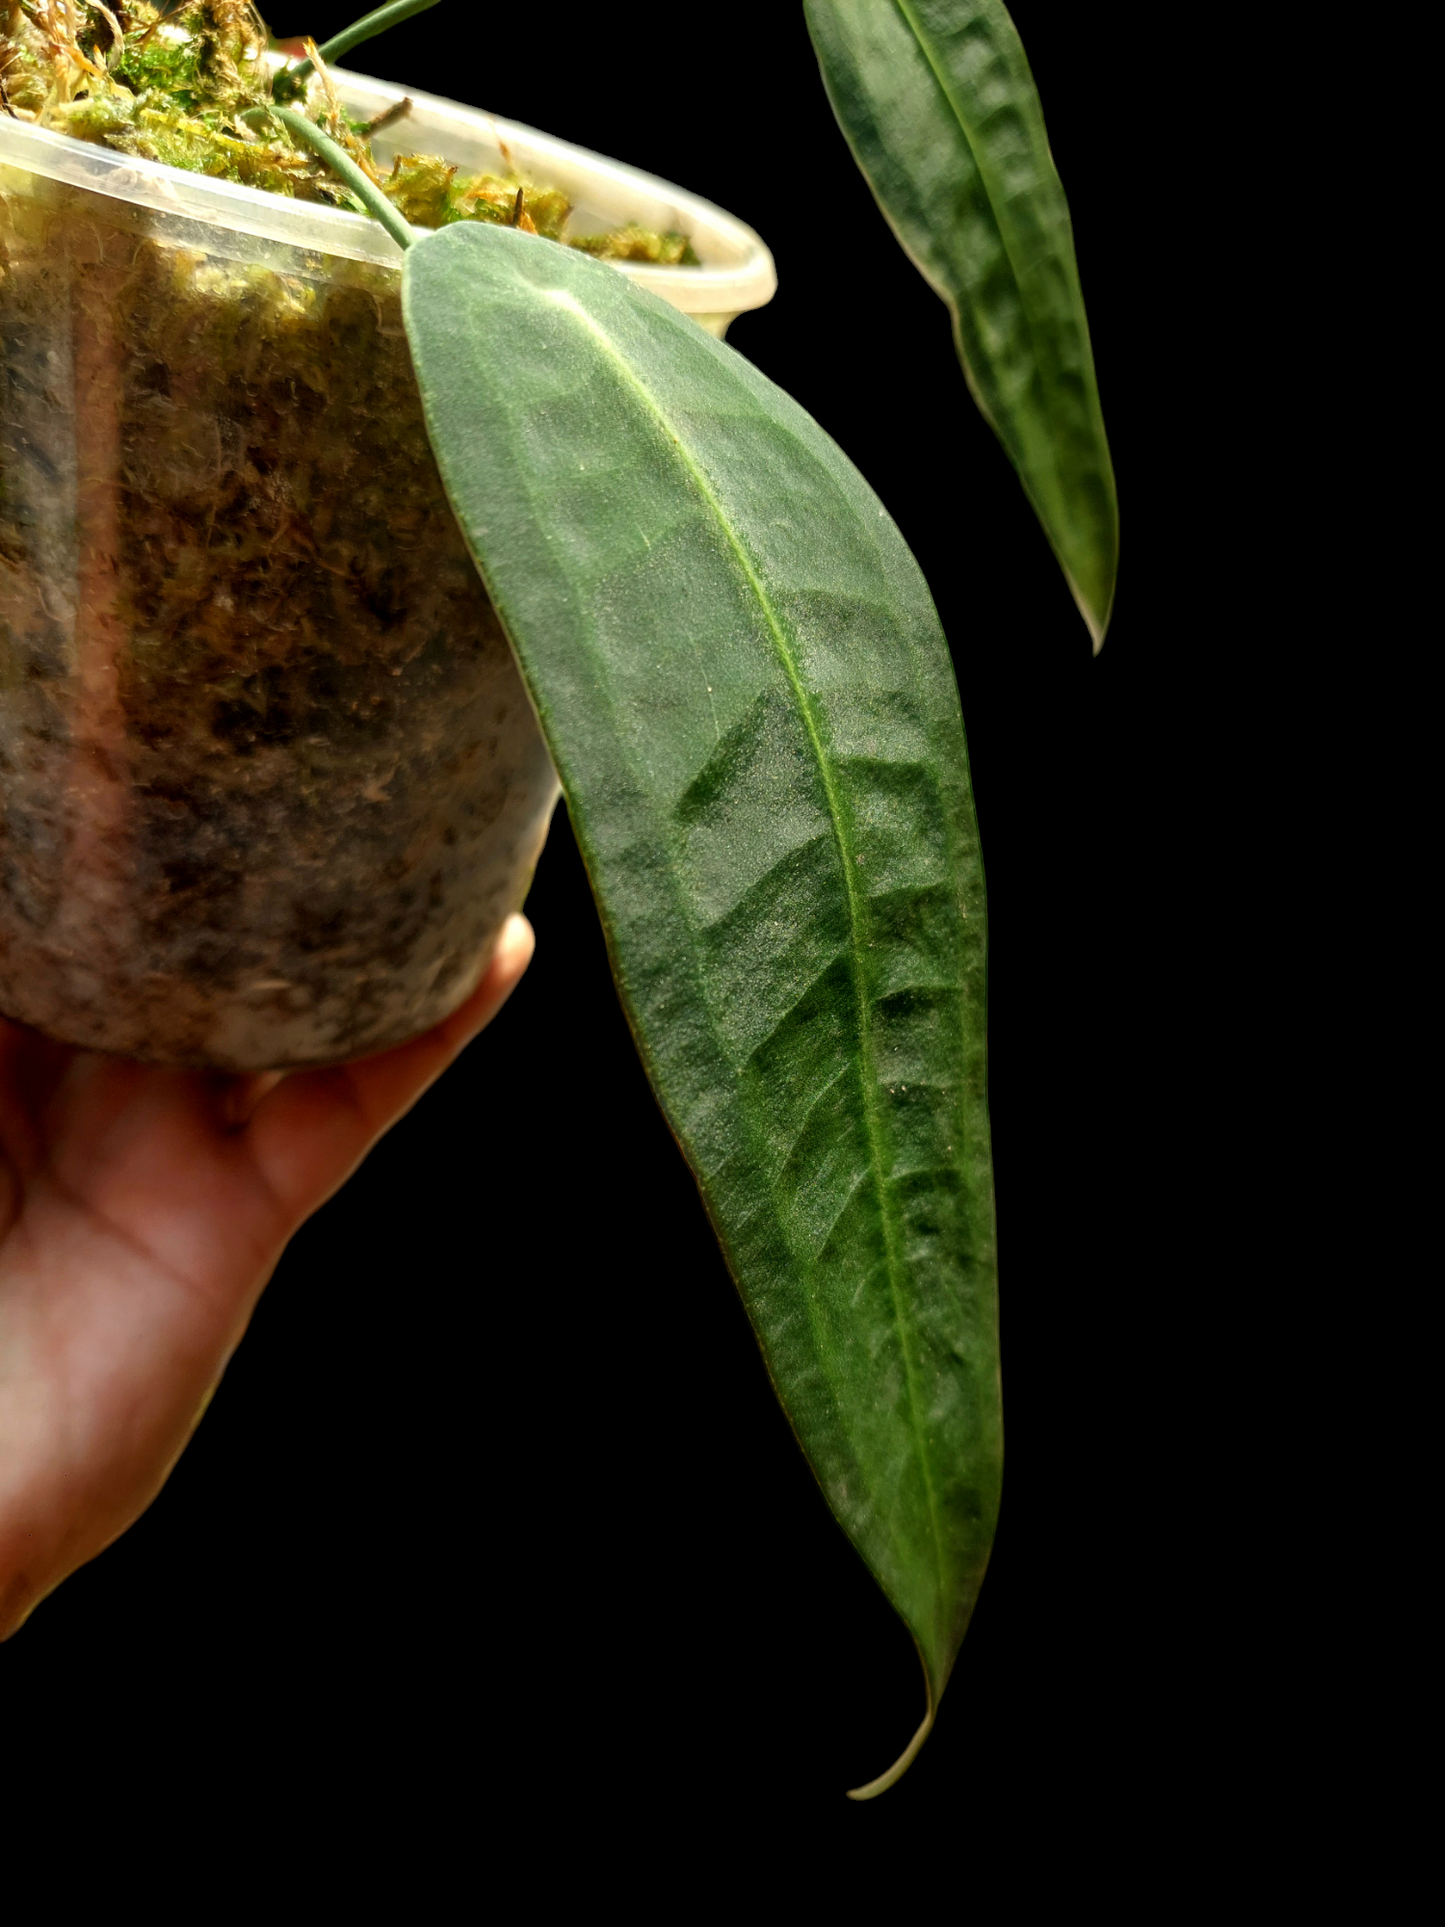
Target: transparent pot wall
[[271, 781]]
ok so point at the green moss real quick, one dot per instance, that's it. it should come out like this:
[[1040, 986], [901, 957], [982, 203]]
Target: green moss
[[633, 243], [193, 92], [421, 186]]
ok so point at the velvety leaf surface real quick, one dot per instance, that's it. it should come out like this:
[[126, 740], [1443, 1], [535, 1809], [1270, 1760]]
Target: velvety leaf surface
[[751, 705], [938, 104]]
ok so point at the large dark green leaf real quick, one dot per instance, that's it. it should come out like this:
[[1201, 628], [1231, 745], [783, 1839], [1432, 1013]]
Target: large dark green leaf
[[750, 701], [938, 104]]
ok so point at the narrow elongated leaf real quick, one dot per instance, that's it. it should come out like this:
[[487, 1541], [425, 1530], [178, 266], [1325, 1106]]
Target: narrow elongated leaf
[[937, 102], [750, 701]]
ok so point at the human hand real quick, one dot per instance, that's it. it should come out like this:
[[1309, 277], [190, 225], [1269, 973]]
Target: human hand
[[141, 1213]]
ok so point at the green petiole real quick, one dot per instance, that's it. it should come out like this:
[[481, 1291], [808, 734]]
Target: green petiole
[[341, 164], [369, 25]]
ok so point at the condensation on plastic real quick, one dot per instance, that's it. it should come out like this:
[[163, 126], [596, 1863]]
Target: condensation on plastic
[[269, 780]]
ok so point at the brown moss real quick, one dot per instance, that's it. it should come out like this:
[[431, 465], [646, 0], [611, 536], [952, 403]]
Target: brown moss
[[265, 757]]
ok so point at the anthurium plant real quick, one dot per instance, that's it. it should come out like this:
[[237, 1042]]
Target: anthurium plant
[[746, 691]]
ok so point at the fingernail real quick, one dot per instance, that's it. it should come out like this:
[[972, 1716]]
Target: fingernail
[[518, 939]]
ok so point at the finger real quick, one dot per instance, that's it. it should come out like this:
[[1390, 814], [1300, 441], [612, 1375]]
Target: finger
[[242, 1096], [31, 1066], [9, 1195], [310, 1133]]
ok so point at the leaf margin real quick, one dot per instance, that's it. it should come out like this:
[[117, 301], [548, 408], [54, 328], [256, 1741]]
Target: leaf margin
[[828, 34], [425, 249]]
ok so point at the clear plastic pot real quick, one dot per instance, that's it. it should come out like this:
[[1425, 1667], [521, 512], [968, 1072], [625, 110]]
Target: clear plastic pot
[[269, 780]]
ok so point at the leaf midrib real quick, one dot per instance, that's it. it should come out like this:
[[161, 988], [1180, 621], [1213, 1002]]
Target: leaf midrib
[[985, 173], [870, 1080]]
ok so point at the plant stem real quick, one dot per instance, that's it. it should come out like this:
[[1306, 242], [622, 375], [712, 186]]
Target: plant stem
[[341, 163], [363, 29]]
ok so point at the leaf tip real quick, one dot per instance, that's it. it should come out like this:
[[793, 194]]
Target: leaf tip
[[899, 1767], [1097, 625], [910, 1752]]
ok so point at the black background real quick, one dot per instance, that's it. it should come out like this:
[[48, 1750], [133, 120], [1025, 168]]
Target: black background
[[494, 1508]]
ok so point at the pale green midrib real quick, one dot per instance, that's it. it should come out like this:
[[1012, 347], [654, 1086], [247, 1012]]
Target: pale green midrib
[[986, 175], [655, 1070], [870, 1080]]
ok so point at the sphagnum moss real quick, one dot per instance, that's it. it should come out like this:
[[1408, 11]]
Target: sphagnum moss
[[269, 780], [192, 87]]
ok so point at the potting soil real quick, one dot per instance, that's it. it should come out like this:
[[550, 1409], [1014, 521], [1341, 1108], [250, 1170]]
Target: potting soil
[[269, 779]]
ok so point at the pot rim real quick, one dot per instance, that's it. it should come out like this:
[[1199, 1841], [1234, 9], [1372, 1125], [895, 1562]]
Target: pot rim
[[737, 271]]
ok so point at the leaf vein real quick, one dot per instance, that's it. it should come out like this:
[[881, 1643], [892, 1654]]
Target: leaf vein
[[873, 1123]]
